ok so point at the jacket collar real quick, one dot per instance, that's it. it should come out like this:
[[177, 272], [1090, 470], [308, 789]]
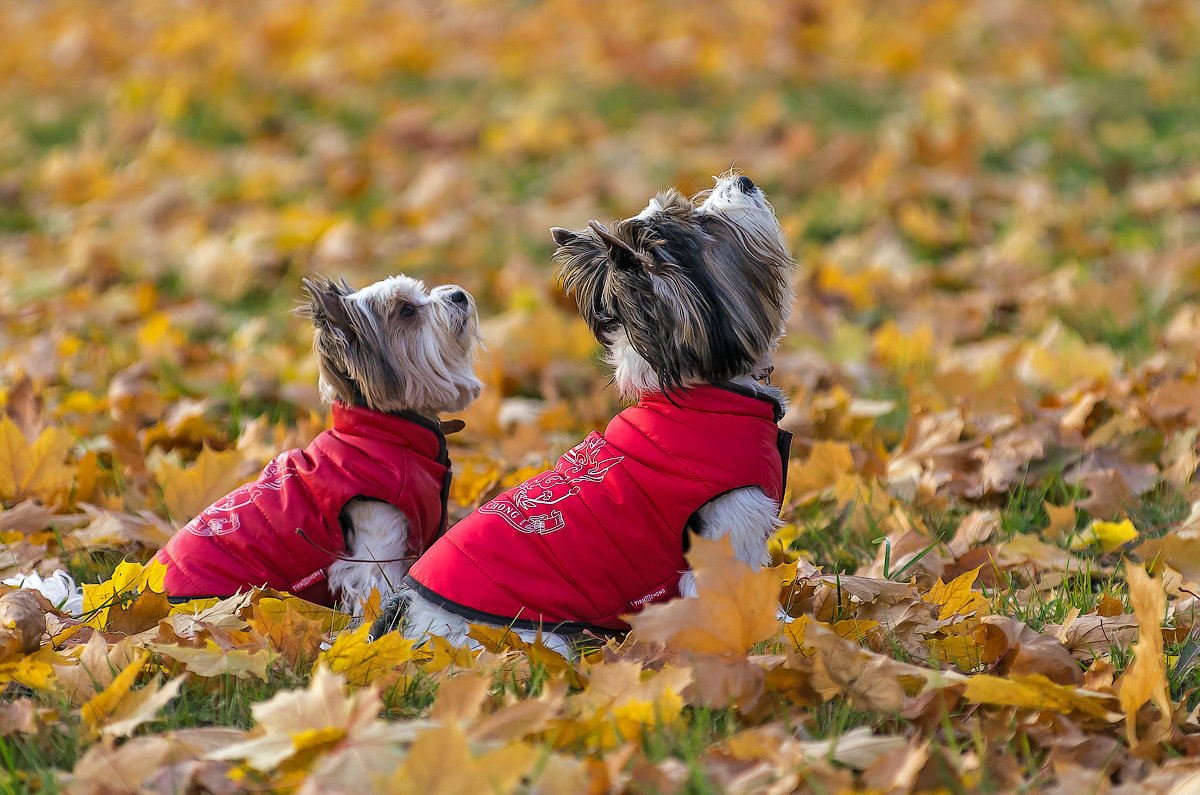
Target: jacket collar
[[723, 398], [404, 429]]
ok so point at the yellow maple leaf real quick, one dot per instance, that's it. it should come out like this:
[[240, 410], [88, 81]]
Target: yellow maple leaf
[[364, 663], [1037, 692], [1110, 535], [33, 670], [189, 490], [736, 608], [955, 598], [34, 470], [441, 760], [123, 585], [1146, 677], [826, 465]]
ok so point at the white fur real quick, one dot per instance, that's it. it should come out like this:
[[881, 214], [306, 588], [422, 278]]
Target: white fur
[[379, 532]]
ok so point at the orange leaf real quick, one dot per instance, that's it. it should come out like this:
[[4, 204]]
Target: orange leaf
[[736, 607]]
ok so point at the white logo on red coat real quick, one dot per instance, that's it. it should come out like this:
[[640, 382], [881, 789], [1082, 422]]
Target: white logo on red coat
[[588, 461], [221, 517]]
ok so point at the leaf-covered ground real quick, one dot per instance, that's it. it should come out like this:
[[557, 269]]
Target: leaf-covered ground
[[992, 539]]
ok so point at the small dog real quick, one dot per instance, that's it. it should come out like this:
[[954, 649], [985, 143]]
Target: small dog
[[689, 298], [351, 511]]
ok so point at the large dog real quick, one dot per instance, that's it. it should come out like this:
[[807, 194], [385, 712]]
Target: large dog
[[350, 512], [689, 298]]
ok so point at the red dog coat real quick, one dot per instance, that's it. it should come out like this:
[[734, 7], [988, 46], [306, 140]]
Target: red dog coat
[[248, 538], [601, 534]]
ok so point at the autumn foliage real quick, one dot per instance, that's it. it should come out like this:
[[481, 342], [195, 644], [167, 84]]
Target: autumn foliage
[[988, 573]]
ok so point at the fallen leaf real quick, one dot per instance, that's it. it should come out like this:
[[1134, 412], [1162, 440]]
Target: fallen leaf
[[189, 490], [36, 470], [1146, 677], [212, 660], [441, 760], [736, 606], [364, 663], [22, 623]]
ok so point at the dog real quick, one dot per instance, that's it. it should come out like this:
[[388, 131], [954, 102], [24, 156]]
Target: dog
[[689, 298], [348, 513]]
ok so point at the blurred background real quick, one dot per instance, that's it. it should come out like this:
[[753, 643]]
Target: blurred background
[[990, 200]]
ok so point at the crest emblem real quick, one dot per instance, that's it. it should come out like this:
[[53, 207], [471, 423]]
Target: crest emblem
[[525, 507], [221, 518]]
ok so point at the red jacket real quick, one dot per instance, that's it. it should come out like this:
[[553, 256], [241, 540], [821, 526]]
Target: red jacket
[[248, 538], [602, 534]]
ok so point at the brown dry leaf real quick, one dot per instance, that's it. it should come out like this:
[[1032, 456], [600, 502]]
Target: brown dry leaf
[[22, 623], [1017, 650], [1145, 680], [287, 630], [736, 606], [25, 517], [108, 769], [18, 716], [1179, 548], [519, 719], [841, 667], [897, 772], [976, 528], [858, 748], [94, 666], [1062, 521], [460, 698], [722, 682], [1092, 635]]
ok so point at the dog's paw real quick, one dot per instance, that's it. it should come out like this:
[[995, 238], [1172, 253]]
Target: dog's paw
[[687, 585], [390, 616]]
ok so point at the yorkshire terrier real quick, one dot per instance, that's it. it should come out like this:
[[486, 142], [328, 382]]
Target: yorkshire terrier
[[689, 298], [353, 509]]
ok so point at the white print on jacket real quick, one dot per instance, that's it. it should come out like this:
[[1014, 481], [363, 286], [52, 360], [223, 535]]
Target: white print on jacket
[[586, 462], [221, 517]]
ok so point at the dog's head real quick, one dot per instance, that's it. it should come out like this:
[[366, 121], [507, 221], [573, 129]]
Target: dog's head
[[394, 346], [687, 291]]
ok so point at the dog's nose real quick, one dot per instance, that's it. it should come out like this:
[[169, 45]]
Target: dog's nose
[[458, 297], [744, 184]]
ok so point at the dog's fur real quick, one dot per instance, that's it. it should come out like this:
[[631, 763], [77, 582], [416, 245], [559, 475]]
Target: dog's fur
[[686, 292], [392, 347]]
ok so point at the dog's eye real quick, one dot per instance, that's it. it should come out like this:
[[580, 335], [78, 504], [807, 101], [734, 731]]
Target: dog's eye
[[408, 310]]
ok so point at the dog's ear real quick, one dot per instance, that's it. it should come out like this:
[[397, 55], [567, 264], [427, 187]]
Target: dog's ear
[[584, 275], [620, 253], [334, 340], [562, 237], [325, 306]]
